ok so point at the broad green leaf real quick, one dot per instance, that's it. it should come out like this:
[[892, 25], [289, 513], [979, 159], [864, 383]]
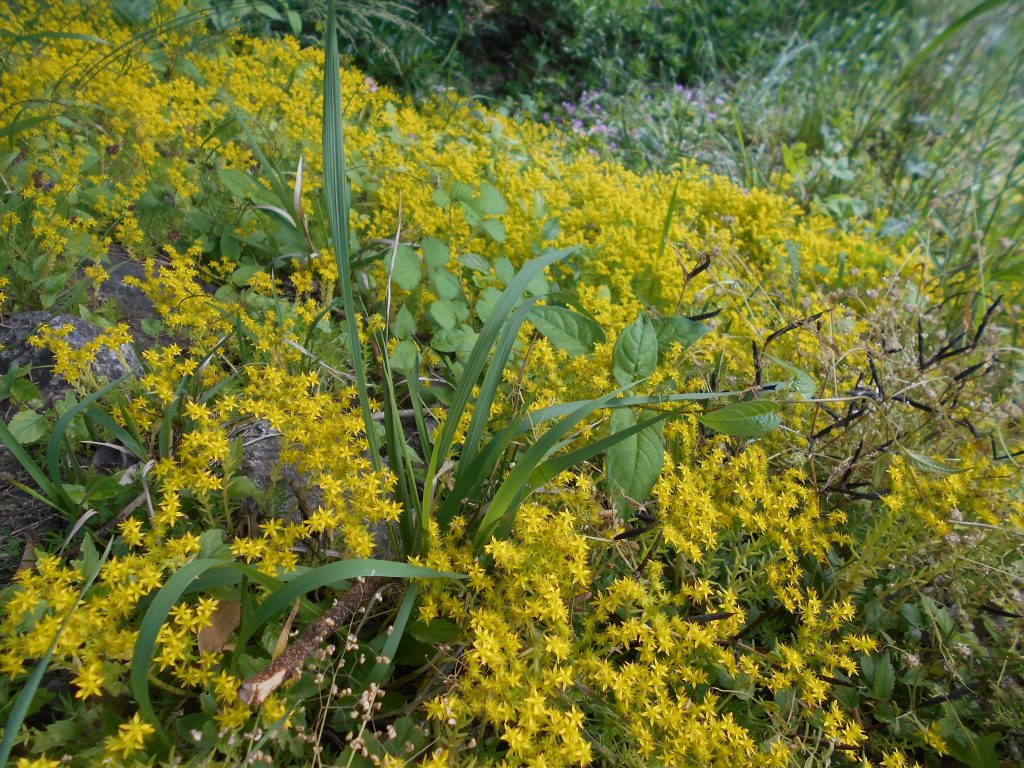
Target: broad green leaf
[[678, 330], [476, 262], [749, 419], [241, 276], [633, 464], [487, 302], [552, 229], [802, 383], [437, 631], [443, 313], [404, 357], [28, 427], [474, 216], [441, 198], [445, 284], [134, 12], [269, 11], [490, 200], [461, 192], [407, 270], [504, 270], [565, 329], [435, 253], [230, 247], [883, 678], [928, 464], [238, 184], [636, 352], [457, 340], [494, 229], [404, 325], [538, 286]]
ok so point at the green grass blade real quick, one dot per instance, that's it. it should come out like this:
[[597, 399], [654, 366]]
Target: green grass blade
[[28, 690], [329, 574], [60, 430], [34, 470], [951, 30], [558, 464], [382, 669], [492, 380], [511, 296], [149, 630], [120, 433], [338, 212], [518, 480]]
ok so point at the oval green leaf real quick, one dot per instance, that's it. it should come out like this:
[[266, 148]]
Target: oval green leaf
[[633, 464], [636, 352], [565, 329], [750, 419], [681, 330]]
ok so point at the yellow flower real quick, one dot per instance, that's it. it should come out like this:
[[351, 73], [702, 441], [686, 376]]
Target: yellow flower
[[89, 681], [130, 737]]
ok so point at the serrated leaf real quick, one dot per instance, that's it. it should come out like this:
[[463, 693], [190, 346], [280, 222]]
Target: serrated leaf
[[435, 252], [404, 357], [404, 325], [487, 302], [636, 352], [750, 419], [802, 382], [457, 340], [633, 464], [681, 330], [443, 313], [504, 270], [406, 271], [445, 284], [491, 201], [494, 229], [461, 192], [474, 216], [565, 329], [476, 262], [441, 198], [238, 184], [28, 427], [928, 464]]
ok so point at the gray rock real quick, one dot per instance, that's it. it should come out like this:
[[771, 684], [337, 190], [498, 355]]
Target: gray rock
[[292, 496], [16, 351]]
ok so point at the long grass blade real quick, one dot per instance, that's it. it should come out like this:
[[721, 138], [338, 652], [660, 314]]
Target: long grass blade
[[337, 200], [329, 574], [478, 357]]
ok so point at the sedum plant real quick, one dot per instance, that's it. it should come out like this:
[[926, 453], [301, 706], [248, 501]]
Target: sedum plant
[[670, 470]]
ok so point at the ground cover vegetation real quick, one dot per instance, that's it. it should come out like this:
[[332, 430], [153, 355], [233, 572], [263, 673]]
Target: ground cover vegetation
[[588, 453]]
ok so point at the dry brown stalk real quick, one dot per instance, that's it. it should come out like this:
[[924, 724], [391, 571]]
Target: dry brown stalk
[[256, 689]]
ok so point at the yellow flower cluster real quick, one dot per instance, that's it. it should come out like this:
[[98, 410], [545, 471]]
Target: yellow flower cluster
[[74, 364], [569, 627]]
